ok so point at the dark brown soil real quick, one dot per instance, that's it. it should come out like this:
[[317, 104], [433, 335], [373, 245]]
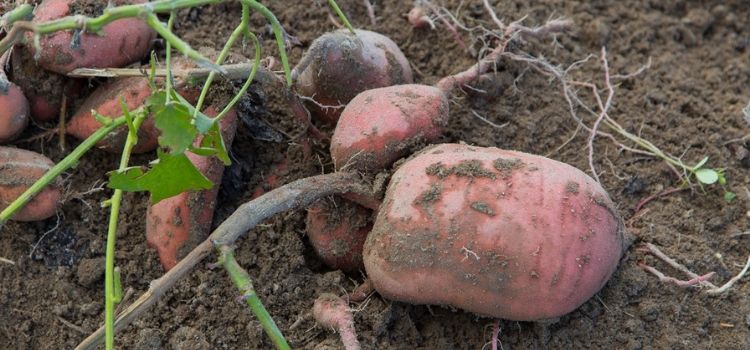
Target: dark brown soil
[[688, 103]]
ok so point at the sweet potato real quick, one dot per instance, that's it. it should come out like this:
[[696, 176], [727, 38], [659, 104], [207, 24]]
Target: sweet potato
[[14, 110], [106, 101], [379, 126], [19, 169], [337, 231], [498, 233], [331, 311], [339, 65], [175, 225], [43, 89], [121, 42]]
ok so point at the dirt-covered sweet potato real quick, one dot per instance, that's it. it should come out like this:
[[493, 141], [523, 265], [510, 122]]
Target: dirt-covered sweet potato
[[43, 89], [105, 100], [14, 111], [339, 65], [174, 226], [121, 42], [20, 169], [379, 126], [337, 230], [498, 233]]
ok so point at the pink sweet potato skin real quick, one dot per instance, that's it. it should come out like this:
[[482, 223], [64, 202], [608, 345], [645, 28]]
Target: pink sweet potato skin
[[175, 225], [343, 66], [379, 126], [14, 111], [498, 233], [337, 232], [106, 101], [19, 169], [121, 42]]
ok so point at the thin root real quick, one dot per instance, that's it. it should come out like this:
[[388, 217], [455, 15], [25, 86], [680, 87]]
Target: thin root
[[695, 279]]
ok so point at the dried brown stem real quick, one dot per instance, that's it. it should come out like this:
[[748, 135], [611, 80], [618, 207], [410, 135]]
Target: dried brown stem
[[295, 195], [237, 71]]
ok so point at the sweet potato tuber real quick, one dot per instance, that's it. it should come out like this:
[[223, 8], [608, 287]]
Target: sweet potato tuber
[[175, 225], [43, 89], [339, 65], [499, 233], [337, 232], [105, 100], [120, 42], [14, 111], [379, 126], [19, 169]]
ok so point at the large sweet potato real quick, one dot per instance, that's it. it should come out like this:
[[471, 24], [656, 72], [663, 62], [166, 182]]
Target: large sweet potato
[[19, 169], [175, 225], [499, 233], [106, 101], [120, 42]]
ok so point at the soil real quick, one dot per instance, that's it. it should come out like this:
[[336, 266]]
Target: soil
[[689, 103]]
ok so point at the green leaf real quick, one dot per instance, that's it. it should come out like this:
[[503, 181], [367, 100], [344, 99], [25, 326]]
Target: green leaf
[[177, 131], [201, 121], [707, 176], [157, 100], [169, 176], [701, 163], [213, 139], [729, 196]]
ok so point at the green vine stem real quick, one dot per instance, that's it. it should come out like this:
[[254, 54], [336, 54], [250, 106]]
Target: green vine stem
[[277, 32], [95, 24], [241, 29], [68, 162], [110, 282], [341, 15], [250, 78], [22, 12], [243, 282], [168, 60]]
